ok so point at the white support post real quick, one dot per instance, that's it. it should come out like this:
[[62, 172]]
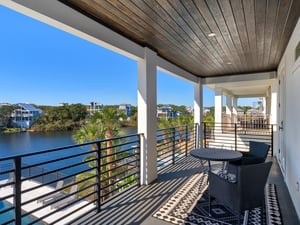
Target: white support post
[[273, 112], [228, 104], [234, 109], [147, 115], [218, 109], [228, 108], [198, 113]]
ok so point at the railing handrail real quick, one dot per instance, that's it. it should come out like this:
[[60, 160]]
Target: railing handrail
[[67, 147]]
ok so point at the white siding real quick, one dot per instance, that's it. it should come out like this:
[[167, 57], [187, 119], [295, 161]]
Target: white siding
[[292, 115]]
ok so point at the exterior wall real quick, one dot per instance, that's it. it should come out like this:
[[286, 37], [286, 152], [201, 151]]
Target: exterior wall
[[292, 123], [23, 117]]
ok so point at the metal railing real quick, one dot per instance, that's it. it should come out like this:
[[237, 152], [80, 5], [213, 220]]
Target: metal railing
[[236, 136], [173, 143], [92, 174]]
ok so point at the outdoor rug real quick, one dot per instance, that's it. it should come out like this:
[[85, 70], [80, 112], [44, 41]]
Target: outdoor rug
[[190, 206]]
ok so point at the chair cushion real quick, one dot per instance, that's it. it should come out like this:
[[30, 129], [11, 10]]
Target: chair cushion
[[227, 176]]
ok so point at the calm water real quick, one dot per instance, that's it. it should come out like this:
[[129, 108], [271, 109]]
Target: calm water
[[27, 142]]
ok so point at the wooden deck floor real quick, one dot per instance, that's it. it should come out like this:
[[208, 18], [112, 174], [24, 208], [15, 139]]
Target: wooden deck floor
[[137, 205]]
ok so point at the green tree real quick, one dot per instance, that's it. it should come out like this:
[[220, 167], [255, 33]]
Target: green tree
[[5, 114], [61, 117], [104, 124]]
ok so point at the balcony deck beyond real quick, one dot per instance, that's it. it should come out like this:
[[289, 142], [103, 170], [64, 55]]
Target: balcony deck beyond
[[137, 205]]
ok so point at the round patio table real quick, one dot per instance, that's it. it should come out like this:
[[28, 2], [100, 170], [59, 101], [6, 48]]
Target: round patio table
[[215, 154]]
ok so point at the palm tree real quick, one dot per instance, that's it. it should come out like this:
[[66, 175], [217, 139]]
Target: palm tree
[[109, 118], [104, 124]]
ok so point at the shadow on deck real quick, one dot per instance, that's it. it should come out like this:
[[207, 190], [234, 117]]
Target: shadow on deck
[[137, 205]]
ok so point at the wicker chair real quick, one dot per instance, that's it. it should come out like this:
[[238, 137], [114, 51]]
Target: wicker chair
[[258, 152], [247, 192]]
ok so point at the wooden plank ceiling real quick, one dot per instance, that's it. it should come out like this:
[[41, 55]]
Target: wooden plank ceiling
[[250, 35]]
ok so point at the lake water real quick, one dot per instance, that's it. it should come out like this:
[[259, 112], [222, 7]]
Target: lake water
[[27, 142]]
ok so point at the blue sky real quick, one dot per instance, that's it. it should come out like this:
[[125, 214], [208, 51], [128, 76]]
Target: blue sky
[[46, 66]]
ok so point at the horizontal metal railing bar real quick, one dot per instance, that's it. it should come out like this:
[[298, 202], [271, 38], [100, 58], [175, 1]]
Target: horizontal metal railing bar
[[9, 222], [131, 163], [167, 160], [120, 145], [117, 160], [56, 160], [113, 183], [6, 197], [117, 145], [128, 183], [165, 146], [162, 129], [6, 210], [126, 150], [108, 178], [116, 153], [116, 175], [7, 172], [123, 178], [62, 178], [57, 170], [113, 169], [57, 200], [164, 151], [7, 184], [66, 147], [168, 153], [117, 167], [52, 192]]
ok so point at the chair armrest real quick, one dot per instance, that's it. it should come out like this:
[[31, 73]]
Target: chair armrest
[[224, 190]]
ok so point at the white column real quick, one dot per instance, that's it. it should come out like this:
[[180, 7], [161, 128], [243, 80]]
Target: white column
[[218, 106], [234, 108], [273, 112], [147, 99], [198, 113], [264, 105], [228, 109], [228, 104]]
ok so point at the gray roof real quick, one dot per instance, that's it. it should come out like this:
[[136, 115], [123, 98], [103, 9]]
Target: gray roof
[[29, 107]]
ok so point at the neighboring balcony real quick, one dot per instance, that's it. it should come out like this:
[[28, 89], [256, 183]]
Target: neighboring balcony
[[99, 182]]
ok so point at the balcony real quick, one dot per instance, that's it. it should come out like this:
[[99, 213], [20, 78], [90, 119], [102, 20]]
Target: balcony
[[106, 174], [225, 44]]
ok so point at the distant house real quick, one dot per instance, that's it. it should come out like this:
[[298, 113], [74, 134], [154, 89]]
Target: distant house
[[63, 104], [126, 108], [190, 109], [24, 115], [167, 112], [94, 107]]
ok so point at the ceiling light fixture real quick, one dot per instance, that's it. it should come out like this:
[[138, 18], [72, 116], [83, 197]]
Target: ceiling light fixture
[[228, 63], [211, 35]]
